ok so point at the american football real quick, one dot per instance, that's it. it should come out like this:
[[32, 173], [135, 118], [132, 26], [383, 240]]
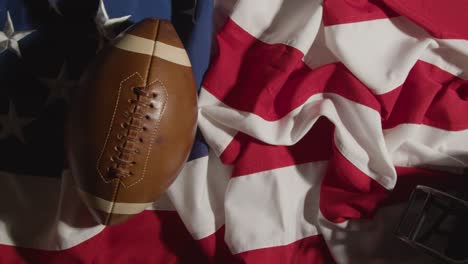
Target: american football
[[132, 122]]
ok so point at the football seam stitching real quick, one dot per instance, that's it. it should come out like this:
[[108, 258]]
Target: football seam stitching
[[146, 82], [111, 123], [153, 135]]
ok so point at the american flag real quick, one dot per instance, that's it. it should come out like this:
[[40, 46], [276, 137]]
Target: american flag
[[316, 120]]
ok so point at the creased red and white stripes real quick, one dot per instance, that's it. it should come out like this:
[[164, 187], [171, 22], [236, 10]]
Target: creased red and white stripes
[[376, 97], [321, 118]]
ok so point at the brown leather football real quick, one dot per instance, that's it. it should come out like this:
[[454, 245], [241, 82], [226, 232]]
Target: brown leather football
[[132, 122]]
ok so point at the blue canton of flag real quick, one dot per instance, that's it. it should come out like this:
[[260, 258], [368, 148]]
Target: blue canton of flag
[[46, 46]]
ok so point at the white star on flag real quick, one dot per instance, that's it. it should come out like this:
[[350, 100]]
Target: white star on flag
[[12, 124], [9, 37], [59, 88], [107, 27]]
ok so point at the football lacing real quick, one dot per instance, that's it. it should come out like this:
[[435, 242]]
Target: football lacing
[[122, 162]]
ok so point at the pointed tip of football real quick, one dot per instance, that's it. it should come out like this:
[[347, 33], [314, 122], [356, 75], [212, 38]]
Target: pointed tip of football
[[156, 30], [146, 28]]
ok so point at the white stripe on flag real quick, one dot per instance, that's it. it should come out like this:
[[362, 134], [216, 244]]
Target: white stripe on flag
[[358, 133], [35, 210], [273, 208], [219, 135], [414, 145], [198, 194], [381, 52], [290, 22]]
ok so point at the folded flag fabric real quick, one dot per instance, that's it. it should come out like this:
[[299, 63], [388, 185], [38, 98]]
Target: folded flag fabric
[[316, 120]]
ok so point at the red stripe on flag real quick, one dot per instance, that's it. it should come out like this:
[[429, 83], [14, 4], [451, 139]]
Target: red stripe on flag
[[250, 155], [429, 96], [347, 193], [247, 72], [17, 255], [311, 249], [216, 249], [271, 80], [441, 18], [151, 237], [161, 237], [341, 12], [308, 250]]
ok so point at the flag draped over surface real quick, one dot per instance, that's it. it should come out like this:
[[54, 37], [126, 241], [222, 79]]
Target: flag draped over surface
[[316, 120]]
